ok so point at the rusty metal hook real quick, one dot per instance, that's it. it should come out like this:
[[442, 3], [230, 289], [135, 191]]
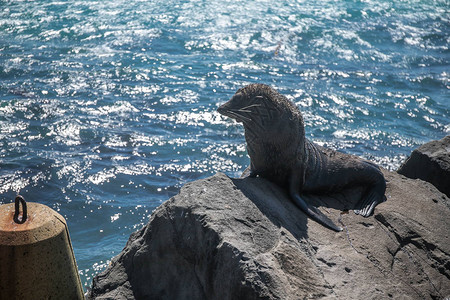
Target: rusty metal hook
[[20, 199]]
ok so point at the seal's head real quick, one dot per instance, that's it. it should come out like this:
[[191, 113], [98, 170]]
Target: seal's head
[[265, 113], [274, 130]]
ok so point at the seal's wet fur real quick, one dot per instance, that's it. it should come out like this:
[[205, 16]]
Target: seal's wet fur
[[279, 152]]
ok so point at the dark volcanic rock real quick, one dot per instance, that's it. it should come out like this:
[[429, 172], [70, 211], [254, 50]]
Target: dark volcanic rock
[[430, 162], [223, 238]]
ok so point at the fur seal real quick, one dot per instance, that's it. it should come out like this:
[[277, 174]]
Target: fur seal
[[279, 152]]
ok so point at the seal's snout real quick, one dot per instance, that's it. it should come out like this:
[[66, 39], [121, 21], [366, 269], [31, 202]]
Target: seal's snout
[[223, 109], [230, 107]]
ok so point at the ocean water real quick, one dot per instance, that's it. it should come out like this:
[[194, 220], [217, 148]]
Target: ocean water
[[108, 107]]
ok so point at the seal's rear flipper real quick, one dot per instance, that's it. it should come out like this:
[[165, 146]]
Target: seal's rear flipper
[[372, 198], [314, 213], [366, 207]]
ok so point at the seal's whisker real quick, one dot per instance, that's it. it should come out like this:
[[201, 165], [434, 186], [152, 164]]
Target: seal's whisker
[[239, 116], [250, 106], [258, 113]]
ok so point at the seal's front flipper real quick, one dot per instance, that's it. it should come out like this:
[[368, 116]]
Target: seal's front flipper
[[295, 186], [246, 173], [249, 172], [314, 213]]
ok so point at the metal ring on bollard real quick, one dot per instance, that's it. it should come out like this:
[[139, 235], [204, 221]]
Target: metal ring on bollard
[[24, 210]]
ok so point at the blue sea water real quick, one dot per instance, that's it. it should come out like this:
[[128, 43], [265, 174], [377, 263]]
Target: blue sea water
[[108, 107]]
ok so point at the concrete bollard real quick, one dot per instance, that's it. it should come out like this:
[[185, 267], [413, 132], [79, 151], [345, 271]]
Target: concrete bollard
[[36, 255]]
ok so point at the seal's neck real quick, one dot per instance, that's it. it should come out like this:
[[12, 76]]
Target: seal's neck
[[274, 153]]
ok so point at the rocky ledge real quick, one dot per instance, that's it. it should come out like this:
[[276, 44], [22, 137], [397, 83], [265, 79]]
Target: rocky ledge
[[430, 162], [223, 238]]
